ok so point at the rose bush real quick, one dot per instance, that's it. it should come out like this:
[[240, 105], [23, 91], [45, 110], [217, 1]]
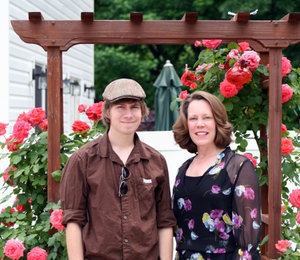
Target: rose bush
[[234, 74], [30, 227]]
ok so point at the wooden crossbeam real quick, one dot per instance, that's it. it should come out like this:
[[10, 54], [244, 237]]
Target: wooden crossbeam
[[190, 17], [241, 17], [35, 17], [136, 17], [291, 17], [87, 17]]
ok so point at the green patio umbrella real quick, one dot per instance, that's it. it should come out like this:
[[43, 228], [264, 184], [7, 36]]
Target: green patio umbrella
[[167, 88]]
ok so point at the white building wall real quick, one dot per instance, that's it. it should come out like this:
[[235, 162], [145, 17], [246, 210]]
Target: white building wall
[[78, 61]]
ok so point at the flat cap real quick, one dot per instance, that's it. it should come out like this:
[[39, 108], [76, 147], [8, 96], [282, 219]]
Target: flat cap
[[123, 88]]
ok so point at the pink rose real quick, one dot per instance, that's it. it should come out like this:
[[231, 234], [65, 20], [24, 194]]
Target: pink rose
[[211, 44], [227, 89], [197, 43], [295, 198], [282, 209], [183, 94], [44, 125], [94, 112], [286, 146], [56, 219], [22, 117], [298, 217], [21, 130], [251, 158], [282, 245], [14, 248], [36, 116], [37, 253], [249, 194], [3, 128], [244, 46], [286, 66], [252, 58], [81, 108], [233, 54], [79, 126], [286, 93], [187, 78], [283, 128]]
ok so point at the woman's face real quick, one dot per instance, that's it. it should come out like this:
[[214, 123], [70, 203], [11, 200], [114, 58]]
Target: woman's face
[[201, 123]]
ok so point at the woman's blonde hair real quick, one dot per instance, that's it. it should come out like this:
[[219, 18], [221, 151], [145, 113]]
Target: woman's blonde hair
[[223, 127]]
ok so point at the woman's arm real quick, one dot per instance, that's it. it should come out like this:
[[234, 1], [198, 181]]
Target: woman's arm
[[165, 241], [74, 241]]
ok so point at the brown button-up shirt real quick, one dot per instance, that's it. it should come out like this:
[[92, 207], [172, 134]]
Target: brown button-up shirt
[[113, 227]]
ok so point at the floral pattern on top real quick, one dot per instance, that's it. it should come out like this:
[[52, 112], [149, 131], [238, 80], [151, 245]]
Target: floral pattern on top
[[220, 214]]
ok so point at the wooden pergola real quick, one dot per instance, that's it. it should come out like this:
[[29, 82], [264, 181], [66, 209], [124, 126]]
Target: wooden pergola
[[266, 37]]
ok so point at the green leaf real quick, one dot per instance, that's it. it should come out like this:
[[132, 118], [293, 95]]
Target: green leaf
[[174, 105], [36, 168], [56, 175], [265, 240], [40, 199], [233, 45], [16, 159], [228, 105], [21, 216]]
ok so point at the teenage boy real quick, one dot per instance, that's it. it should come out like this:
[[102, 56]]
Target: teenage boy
[[115, 191]]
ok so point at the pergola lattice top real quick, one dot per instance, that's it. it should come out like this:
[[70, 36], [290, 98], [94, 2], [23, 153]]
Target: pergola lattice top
[[266, 37]]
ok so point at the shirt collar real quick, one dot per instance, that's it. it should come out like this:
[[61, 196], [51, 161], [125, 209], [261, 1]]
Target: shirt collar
[[139, 152]]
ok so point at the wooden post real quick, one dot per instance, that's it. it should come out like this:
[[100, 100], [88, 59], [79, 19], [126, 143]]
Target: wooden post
[[55, 118], [274, 150]]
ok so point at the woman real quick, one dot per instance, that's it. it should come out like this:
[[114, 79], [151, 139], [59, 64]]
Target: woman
[[216, 196]]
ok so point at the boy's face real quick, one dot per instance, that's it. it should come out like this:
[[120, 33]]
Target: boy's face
[[125, 116]]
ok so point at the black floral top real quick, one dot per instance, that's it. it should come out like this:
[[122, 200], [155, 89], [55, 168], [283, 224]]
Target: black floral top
[[220, 214]]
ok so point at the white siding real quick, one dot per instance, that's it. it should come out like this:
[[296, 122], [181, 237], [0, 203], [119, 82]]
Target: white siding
[[78, 62]]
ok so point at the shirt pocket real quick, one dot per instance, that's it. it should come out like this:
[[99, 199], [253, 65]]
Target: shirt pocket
[[146, 198]]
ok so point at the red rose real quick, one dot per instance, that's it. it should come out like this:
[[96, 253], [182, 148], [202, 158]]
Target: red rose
[[238, 75], [244, 46], [282, 245], [3, 128], [6, 174], [79, 126], [8, 224], [286, 93], [94, 112], [37, 253], [19, 207], [22, 117], [188, 78], [197, 43], [251, 158], [11, 143], [282, 209], [81, 108], [227, 89], [283, 128], [286, 66], [211, 44], [295, 198], [286, 146], [14, 249], [183, 94], [21, 130], [56, 219], [36, 116], [44, 125]]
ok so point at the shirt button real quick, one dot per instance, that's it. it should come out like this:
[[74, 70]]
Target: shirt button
[[125, 217], [126, 240]]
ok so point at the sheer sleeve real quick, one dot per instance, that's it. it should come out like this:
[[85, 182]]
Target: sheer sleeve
[[246, 218]]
